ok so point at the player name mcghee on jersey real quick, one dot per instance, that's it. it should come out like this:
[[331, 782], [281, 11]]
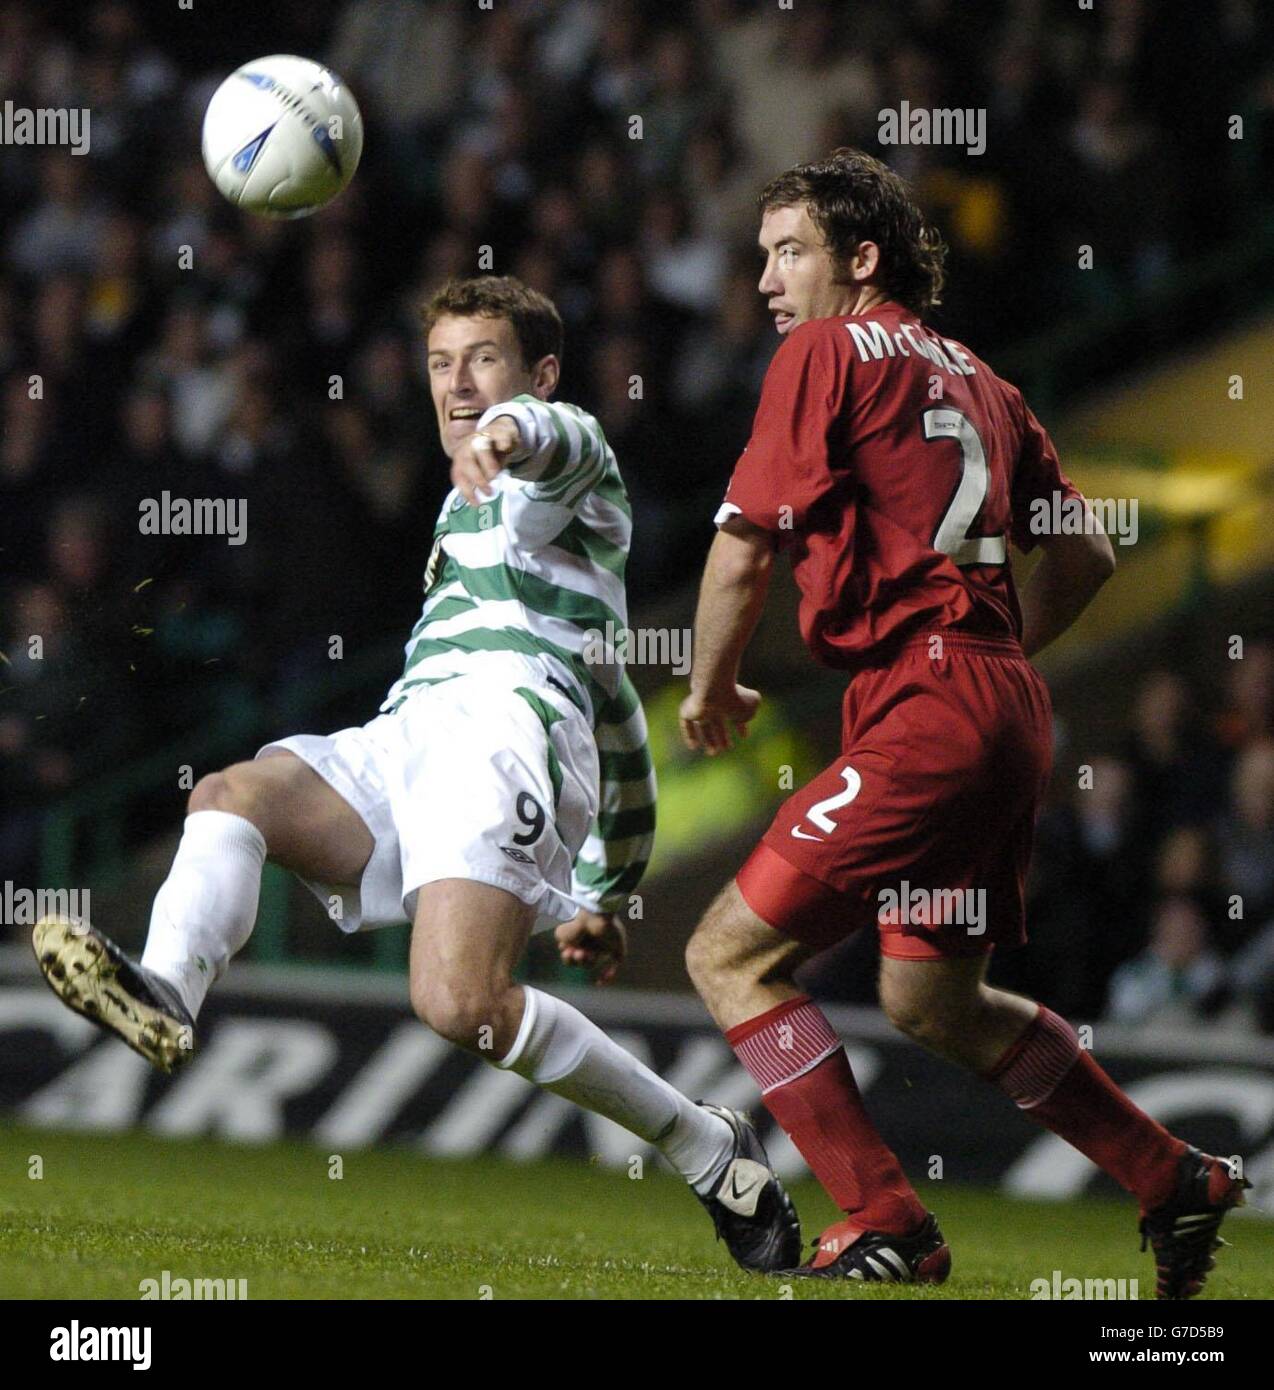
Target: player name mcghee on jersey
[[539, 567]]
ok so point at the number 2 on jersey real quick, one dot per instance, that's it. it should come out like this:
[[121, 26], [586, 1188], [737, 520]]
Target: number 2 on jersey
[[952, 536]]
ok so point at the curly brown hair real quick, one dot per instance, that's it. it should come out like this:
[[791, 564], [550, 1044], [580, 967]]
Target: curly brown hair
[[536, 322], [850, 198]]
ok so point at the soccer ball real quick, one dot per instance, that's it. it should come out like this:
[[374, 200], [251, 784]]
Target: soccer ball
[[282, 136]]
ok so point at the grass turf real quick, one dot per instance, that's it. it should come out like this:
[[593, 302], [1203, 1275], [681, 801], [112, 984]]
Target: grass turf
[[112, 1210]]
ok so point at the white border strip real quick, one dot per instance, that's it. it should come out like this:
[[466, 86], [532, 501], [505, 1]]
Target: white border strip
[[322, 984]]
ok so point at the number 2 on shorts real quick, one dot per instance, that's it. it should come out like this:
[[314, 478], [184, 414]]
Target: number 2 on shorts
[[818, 813]]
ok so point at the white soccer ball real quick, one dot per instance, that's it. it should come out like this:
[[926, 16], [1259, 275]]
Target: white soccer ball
[[282, 136]]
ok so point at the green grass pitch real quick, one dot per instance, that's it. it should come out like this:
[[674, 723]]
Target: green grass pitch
[[113, 1210]]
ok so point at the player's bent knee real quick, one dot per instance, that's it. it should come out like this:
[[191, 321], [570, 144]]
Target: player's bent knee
[[917, 1018], [211, 792], [240, 790], [700, 959], [712, 956], [905, 1010], [733, 948], [462, 1015], [231, 789], [904, 1015]]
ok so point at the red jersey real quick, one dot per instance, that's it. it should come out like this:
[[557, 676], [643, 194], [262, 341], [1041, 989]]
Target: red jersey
[[896, 467]]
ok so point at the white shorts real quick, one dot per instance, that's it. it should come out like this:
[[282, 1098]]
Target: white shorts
[[463, 780]]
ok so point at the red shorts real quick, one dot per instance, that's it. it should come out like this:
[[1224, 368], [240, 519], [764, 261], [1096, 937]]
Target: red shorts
[[923, 826]]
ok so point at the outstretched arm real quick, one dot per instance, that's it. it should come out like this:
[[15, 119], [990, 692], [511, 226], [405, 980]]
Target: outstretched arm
[[736, 580], [558, 466], [555, 447]]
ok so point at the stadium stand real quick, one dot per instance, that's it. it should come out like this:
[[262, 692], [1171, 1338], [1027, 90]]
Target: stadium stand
[[217, 379]]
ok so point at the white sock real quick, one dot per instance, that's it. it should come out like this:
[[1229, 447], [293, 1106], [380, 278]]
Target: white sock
[[207, 906], [564, 1052]]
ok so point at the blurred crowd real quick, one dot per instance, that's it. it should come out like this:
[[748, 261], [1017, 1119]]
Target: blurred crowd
[[609, 152], [1151, 897]]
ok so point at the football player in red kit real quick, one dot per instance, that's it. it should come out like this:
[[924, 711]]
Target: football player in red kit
[[896, 468]]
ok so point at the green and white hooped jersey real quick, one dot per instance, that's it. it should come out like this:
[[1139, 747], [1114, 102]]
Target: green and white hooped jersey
[[538, 569]]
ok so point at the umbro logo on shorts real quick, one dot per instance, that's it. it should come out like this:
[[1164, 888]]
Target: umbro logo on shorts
[[519, 855]]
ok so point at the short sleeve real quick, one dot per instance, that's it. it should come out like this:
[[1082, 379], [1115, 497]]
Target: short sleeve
[[1037, 479], [793, 457]]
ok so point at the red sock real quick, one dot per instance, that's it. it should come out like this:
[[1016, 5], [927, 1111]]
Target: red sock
[[1056, 1083], [806, 1083]]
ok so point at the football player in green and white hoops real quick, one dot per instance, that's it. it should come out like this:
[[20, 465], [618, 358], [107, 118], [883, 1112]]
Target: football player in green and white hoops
[[505, 786]]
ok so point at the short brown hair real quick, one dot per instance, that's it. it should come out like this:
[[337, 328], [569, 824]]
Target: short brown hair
[[536, 322], [851, 198]]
